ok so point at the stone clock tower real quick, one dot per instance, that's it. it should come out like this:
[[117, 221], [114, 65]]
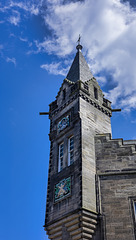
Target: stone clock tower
[[79, 112]]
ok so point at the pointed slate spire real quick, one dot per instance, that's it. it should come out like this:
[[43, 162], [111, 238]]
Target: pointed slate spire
[[79, 69]]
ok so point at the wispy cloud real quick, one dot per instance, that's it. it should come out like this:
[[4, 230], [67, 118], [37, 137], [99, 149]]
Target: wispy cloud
[[12, 60], [27, 6], [25, 40], [3, 8], [101, 80], [15, 10], [129, 102], [14, 18], [55, 68]]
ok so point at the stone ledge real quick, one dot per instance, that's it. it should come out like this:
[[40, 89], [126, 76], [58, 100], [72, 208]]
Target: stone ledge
[[116, 173]]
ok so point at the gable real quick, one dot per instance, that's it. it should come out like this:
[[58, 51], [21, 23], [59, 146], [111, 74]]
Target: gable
[[64, 92]]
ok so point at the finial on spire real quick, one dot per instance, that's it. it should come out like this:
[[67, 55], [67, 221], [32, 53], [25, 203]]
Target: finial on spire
[[79, 46], [79, 39]]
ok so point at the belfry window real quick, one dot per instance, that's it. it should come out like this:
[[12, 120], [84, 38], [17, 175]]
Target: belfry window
[[61, 153], [96, 93], [70, 150]]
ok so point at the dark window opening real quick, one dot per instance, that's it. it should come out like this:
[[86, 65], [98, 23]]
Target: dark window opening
[[64, 94], [70, 150], [61, 153], [95, 93], [134, 206]]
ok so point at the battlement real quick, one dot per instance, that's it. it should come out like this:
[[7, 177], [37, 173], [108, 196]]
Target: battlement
[[114, 155], [115, 184]]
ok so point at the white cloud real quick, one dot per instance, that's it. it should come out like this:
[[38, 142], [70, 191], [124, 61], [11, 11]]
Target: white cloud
[[108, 36], [12, 60], [15, 18], [101, 80], [3, 8], [27, 6], [129, 101], [23, 39], [55, 68]]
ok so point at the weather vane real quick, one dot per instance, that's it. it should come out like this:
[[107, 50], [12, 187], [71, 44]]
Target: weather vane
[[79, 39]]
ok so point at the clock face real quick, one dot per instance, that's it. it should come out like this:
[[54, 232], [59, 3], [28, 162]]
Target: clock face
[[63, 123], [63, 189]]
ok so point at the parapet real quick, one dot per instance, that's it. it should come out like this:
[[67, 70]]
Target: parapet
[[114, 155]]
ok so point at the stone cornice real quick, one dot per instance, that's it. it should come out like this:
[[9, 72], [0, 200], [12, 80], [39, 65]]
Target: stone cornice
[[83, 96], [102, 109]]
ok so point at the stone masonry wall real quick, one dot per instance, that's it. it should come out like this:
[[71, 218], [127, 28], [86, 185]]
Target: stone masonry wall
[[55, 211], [116, 185], [93, 121]]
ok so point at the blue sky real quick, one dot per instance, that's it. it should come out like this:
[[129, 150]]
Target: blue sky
[[37, 45]]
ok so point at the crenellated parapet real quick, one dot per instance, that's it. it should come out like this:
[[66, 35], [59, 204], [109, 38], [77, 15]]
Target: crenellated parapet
[[116, 185], [114, 155]]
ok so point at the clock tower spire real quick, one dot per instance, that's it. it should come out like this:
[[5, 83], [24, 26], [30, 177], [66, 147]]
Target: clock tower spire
[[79, 112]]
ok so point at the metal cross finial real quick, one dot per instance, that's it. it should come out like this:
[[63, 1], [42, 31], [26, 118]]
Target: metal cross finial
[[79, 39], [79, 46]]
